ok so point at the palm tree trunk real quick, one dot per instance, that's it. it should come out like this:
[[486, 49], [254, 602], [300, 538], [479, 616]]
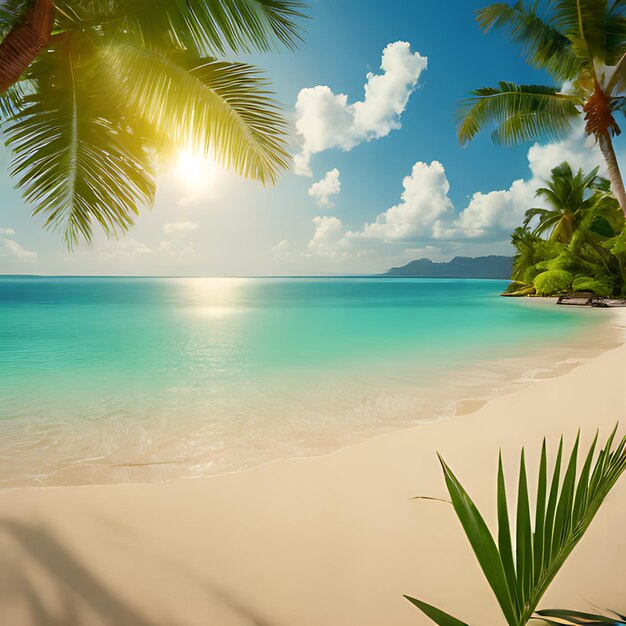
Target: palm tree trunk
[[615, 176], [24, 42]]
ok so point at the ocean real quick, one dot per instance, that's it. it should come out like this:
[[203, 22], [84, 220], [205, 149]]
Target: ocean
[[139, 379]]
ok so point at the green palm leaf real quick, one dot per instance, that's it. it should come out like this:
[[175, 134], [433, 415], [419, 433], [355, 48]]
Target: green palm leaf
[[437, 615], [212, 26], [518, 112], [562, 515], [207, 106], [544, 45], [75, 156], [573, 618], [11, 101]]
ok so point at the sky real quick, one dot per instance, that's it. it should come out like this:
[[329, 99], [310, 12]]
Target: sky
[[379, 177]]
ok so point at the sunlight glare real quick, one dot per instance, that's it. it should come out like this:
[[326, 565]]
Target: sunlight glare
[[197, 173]]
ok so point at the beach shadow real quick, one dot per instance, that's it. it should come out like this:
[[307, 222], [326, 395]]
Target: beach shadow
[[77, 588], [74, 582]]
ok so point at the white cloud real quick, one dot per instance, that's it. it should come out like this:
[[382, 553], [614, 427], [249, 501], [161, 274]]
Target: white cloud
[[126, 247], [10, 247], [326, 120], [426, 223], [426, 212], [424, 203], [7, 232], [173, 247], [281, 250], [325, 188], [496, 213], [176, 228], [328, 238]]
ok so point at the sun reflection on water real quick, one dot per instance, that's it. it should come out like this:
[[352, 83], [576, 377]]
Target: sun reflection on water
[[214, 297]]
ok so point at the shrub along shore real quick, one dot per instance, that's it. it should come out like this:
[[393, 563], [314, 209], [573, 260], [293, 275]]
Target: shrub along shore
[[575, 242]]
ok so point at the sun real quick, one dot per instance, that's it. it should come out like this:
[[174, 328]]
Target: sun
[[197, 173]]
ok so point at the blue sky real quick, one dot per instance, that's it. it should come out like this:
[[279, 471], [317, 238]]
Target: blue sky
[[233, 227]]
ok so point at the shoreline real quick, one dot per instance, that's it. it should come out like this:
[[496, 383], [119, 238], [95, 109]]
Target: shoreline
[[330, 540], [475, 383]]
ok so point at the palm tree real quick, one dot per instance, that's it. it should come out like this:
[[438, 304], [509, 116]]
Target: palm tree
[[570, 197], [96, 95], [582, 45], [526, 244], [520, 566]]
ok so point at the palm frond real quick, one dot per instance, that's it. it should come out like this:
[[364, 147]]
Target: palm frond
[[215, 26], [559, 617], [584, 23], [520, 570], [544, 46], [518, 112], [437, 615], [617, 82], [12, 12], [615, 33], [76, 158], [11, 101], [206, 106]]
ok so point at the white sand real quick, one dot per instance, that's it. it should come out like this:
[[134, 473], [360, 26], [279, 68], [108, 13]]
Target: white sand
[[330, 541]]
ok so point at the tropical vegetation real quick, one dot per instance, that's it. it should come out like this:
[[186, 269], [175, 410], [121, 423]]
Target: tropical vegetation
[[576, 242], [95, 95], [582, 46], [521, 561]]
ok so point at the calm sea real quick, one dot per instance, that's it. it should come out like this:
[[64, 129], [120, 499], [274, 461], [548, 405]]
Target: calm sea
[[123, 379]]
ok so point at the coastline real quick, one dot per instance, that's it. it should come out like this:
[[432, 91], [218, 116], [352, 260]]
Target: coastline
[[330, 540], [351, 413]]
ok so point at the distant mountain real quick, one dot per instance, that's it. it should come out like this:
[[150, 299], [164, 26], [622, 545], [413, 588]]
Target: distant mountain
[[460, 267]]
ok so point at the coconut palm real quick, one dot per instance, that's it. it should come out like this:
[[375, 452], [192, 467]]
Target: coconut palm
[[570, 197], [519, 566], [97, 94], [526, 245], [582, 46]]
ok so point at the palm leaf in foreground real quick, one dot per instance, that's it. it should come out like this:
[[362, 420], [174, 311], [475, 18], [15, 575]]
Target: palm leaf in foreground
[[205, 105], [75, 155], [558, 617], [519, 567]]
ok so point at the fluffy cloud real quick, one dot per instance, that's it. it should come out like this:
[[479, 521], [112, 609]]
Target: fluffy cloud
[[424, 204], [326, 120], [328, 239], [178, 228], [325, 188], [11, 248], [495, 214], [426, 212], [425, 222]]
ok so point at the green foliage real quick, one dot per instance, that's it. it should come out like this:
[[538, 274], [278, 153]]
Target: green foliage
[[553, 282], [521, 561], [585, 237], [519, 112], [602, 287], [123, 84], [531, 273], [570, 196]]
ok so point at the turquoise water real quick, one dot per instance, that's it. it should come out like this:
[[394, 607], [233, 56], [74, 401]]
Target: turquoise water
[[114, 379]]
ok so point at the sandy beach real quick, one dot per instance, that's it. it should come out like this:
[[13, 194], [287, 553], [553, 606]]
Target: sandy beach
[[331, 541]]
